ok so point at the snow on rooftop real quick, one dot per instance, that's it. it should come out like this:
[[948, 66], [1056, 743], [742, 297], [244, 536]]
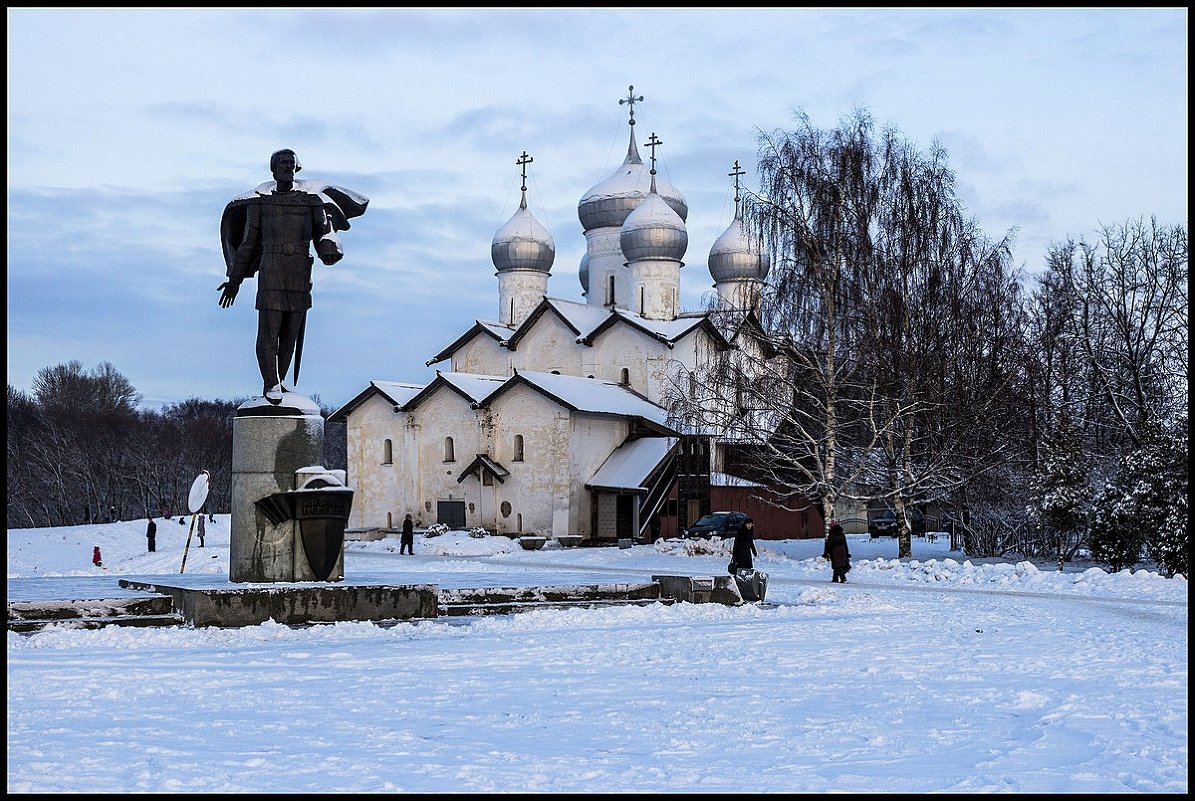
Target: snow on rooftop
[[596, 396], [630, 465]]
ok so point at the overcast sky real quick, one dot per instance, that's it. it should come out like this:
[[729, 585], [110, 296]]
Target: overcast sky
[[129, 130]]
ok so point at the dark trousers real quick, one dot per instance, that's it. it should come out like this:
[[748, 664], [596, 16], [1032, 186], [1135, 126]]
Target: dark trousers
[[277, 335], [151, 545], [408, 546], [839, 575]]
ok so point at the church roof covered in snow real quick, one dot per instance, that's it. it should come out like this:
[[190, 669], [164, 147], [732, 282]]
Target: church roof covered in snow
[[398, 394], [592, 396], [498, 331], [631, 465]]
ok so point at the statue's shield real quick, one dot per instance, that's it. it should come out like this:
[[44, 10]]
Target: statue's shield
[[322, 515]]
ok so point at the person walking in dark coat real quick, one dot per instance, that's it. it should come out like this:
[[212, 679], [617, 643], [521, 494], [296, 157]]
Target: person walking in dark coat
[[744, 546], [151, 533], [201, 531], [407, 544], [837, 552]]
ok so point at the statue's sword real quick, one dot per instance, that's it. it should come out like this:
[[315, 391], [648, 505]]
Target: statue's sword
[[299, 346]]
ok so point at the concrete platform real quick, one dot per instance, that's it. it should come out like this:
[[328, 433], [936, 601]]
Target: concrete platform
[[297, 603], [211, 601]]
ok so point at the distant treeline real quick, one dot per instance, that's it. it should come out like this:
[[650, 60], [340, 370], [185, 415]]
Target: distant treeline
[[81, 451]]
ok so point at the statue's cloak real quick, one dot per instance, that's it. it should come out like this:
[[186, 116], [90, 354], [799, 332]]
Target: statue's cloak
[[340, 203]]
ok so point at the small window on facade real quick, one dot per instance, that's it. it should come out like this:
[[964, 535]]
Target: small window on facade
[[389, 520], [505, 508], [518, 457], [624, 376], [555, 372], [610, 290], [487, 478], [449, 450], [387, 452], [519, 523], [641, 301]]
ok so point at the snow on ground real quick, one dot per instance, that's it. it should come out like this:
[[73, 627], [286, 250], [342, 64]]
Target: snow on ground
[[932, 674]]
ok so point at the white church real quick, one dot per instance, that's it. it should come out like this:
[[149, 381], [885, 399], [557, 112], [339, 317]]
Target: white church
[[547, 420]]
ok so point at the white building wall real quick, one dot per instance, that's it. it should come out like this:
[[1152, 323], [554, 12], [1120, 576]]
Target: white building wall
[[519, 292], [482, 354], [655, 288], [444, 413], [382, 493], [548, 345], [604, 247]]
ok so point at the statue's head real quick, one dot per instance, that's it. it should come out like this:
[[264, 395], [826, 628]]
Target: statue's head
[[277, 157]]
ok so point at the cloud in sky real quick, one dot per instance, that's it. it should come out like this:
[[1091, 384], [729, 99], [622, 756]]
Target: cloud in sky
[[128, 131]]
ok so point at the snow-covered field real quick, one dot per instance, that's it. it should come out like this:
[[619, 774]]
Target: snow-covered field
[[934, 674]]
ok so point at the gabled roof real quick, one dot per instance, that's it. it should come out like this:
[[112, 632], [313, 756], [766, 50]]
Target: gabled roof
[[498, 331], [484, 464], [473, 387], [396, 393], [580, 318], [592, 396], [667, 331], [630, 466]]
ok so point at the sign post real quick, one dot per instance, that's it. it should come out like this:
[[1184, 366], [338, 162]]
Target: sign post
[[195, 502]]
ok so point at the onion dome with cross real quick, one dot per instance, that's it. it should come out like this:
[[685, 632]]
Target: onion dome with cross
[[609, 202], [735, 256], [654, 230], [523, 243]]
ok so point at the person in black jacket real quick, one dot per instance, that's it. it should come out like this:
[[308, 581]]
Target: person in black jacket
[[744, 546], [837, 552], [407, 543], [151, 533]]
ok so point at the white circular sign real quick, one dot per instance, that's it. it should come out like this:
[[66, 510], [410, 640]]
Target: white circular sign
[[198, 492]]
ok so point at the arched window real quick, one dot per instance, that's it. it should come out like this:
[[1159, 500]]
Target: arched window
[[624, 376], [449, 450], [387, 452], [389, 520], [610, 290], [641, 307], [518, 457]]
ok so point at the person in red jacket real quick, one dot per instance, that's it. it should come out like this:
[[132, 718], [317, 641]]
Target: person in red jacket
[[96, 559]]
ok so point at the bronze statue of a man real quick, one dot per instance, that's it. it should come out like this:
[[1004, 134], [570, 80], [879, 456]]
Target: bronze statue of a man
[[270, 232]]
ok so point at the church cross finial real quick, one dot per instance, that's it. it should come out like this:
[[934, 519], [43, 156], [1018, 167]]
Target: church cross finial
[[523, 161], [736, 172], [631, 100], [653, 141]]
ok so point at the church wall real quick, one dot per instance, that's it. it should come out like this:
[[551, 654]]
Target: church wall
[[519, 292], [548, 345], [380, 487], [443, 414], [482, 354], [593, 439], [538, 488], [605, 257], [655, 288]]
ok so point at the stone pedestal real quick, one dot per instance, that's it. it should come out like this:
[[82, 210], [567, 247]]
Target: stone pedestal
[[270, 443]]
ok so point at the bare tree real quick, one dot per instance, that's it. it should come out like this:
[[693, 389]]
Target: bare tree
[[878, 282]]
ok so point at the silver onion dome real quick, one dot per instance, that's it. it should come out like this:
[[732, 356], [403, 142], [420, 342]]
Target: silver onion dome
[[735, 257], [610, 201], [583, 273], [653, 230], [523, 243]]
